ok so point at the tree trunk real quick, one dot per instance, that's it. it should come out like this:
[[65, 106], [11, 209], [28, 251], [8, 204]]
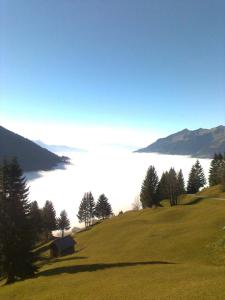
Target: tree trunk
[[10, 275]]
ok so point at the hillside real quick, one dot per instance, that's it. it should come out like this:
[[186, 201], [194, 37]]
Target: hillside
[[30, 156], [163, 253], [197, 143]]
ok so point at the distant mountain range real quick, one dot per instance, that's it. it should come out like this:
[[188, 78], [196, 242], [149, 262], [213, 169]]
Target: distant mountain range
[[58, 148], [196, 143], [30, 156]]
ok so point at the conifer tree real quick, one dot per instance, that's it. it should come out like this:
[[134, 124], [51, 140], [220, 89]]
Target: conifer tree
[[91, 207], [196, 178], [148, 195], [16, 236], [172, 186], [222, 174], [87, 209], [161, 191], [181, 185], [36, 220], [63, 222], [215, 169], [1, 227], [49, 218], [83, 211], [103, 208]]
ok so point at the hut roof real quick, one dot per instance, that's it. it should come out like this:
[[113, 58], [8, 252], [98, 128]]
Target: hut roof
[[64, 243]]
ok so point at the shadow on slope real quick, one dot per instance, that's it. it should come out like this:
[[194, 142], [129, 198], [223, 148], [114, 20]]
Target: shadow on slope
[[195, 201], [96, 267]]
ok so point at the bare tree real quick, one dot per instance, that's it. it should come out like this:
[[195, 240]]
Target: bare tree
[[136, 205]]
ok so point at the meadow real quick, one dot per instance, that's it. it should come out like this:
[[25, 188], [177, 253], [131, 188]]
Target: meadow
[[163, 253]]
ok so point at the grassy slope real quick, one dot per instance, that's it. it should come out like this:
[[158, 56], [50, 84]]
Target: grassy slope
[[165, 253]]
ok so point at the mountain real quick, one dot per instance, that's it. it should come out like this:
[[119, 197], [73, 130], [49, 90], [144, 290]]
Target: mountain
[[197, 143], [58, 148], [30, 156]]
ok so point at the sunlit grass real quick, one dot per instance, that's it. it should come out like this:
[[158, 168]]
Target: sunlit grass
[[163, 253]]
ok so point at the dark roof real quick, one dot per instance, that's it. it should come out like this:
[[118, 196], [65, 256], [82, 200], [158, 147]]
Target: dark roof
[[64, 243]]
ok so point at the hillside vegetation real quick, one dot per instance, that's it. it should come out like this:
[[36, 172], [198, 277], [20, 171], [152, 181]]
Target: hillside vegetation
[[165, 253]]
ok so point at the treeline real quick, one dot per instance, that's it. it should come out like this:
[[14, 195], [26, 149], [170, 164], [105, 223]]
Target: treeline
[[170, 186], [88, 210], [22, 224], [45, 220]]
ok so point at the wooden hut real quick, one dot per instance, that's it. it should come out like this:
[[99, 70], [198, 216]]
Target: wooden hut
[[62, 246]]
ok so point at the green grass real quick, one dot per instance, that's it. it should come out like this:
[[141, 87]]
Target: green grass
[[163, 253], [214, 191]]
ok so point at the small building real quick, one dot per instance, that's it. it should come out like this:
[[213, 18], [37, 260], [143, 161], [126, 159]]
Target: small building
[[62, 246]]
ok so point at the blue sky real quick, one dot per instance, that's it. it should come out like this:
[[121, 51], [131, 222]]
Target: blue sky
[[151, 65]]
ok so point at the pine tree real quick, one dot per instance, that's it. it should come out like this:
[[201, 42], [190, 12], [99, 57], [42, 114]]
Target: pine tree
[[16, 236], [103, 208], [172, 187], [181, 185], [91, 207], [148, 195], [36, 220], [1, 228], [215, 169], [87, 209], [83, 211], [222, 174], [196, 178], [161, 190], [63, 223], [49, 218]]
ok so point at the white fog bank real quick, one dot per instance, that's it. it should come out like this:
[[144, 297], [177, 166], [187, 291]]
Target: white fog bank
[[117, 173]]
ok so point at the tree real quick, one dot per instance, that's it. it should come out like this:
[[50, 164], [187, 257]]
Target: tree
[[172, 187], [215, 169], [222, 174], [196, 178], [49, 218], [16, 235], [136, 205], [103, 208], [181, 185], [161, 190], [87, 209], [63, 222], [148, 190], [36, 220], [91, 207], [83, 212]]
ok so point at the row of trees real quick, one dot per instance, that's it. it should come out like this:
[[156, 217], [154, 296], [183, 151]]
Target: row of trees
[[22, 224], [88, 210], [170, 185], [45, 220], [217, 170]]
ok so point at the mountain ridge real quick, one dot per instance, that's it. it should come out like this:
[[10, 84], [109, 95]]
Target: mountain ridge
[[31, 157], [201, 142]]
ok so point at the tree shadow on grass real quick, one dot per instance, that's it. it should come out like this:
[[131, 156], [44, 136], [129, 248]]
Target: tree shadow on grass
[[194, 201], [43, 261], [70, 258], [95, 267]]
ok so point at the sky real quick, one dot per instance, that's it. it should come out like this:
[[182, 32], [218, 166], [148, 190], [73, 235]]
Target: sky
[[121, 71]]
